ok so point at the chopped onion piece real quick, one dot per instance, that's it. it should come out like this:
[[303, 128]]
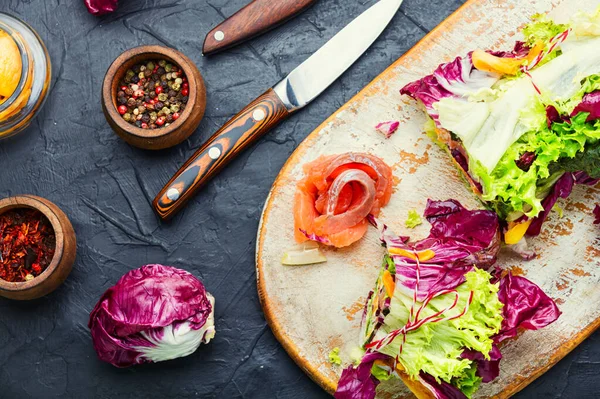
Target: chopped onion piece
[[307, 253]]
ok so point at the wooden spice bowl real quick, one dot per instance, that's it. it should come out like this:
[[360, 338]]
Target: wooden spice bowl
[[64, 255], [163, 137]]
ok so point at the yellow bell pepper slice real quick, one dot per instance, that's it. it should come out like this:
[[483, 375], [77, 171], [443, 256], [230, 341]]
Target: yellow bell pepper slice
[[423, 256], [487, 62], [388, 283], [516, 231]]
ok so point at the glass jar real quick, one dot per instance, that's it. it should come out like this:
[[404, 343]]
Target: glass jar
[[17, 112]]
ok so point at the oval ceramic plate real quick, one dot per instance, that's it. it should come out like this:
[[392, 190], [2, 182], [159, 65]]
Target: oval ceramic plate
[[312, 309]]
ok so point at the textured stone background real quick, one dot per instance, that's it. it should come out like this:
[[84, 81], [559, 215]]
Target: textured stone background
[[70, 156]]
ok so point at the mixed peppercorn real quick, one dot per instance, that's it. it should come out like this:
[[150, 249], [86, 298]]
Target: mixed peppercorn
[[152, 94], [27, 244]]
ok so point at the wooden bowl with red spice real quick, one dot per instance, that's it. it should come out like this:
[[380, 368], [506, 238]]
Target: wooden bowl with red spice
[[157, 136], [37, 247]]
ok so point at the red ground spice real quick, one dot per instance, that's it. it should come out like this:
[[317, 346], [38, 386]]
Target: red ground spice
[[27, 244]]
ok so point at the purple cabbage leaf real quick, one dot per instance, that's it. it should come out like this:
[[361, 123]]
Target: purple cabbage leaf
[[152, 314], [456, 79], [487, 369], [526, 306], [460, 239], [591, 104], [101, 7], [387, 128], [358, 382], [561, 189]]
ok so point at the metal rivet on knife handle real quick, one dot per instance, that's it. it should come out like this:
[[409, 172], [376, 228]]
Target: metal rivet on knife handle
[[214, 153], [259, 115], [173, 194], [235, 136], [219, 36]]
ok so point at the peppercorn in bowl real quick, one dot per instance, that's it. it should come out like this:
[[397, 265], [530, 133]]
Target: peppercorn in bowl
[[153, 97]]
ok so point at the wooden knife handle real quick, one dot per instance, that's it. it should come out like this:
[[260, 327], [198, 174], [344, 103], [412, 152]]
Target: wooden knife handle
[[254, 19], [241, 131]]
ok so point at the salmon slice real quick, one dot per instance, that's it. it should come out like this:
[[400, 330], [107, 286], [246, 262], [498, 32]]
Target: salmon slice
[[336, 195]]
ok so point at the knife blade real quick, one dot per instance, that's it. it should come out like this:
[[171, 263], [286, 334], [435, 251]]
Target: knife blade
[[299, 88], [256, 18]]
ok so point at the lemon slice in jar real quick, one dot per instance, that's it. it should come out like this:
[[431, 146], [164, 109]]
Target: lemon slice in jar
[[11, 66]]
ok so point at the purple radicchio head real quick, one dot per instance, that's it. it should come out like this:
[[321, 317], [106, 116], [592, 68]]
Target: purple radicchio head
[[152, 314]]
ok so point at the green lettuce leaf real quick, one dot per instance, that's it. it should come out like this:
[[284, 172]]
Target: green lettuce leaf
[[413, 220], [380, 374], [334, 357], [565, 147], [542, 29], [435, 348], [587, 161], [469, 382]]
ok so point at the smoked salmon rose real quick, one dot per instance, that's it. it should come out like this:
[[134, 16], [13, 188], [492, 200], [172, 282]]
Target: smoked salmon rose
[[337, 194]]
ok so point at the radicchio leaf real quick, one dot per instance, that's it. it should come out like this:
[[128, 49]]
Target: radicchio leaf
[[153, 313], [460, 239], [454, 79], [388, 128], [101, 7], [473, 230], [316, 238], [486, 369], [457, 79], [526, 160], [561, 189], [460, 158], [585, 179], [597, 214], [591, 104], [553, 116], [525, 306], [358, 382]]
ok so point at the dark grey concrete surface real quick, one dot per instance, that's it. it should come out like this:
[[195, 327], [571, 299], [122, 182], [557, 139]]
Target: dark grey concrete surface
[[70, 156]]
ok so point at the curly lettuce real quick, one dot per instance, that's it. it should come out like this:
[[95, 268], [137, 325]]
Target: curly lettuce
[[469, 382], [413, 220], [436, 348], [542, 29], [566, 146]]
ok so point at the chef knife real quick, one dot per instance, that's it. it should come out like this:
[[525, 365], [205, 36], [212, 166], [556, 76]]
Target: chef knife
[[294, 92], [256, 18]]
